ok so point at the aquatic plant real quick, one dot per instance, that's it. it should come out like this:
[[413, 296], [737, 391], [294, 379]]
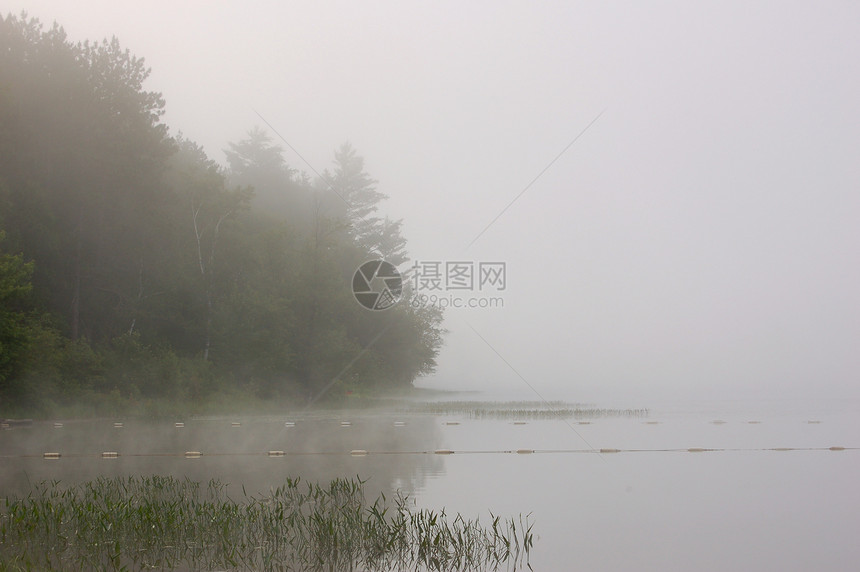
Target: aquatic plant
[[166, 523], [522, 410]]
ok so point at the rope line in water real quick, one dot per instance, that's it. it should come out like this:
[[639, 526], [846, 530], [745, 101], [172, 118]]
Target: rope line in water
[[364, 453]]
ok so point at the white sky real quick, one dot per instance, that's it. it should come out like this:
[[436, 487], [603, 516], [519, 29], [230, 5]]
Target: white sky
[[700, 240]]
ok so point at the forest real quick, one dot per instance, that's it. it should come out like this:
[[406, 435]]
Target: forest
[[136, 273]]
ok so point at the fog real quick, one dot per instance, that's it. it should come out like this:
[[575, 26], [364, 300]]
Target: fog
[[315, 448], [698, 240]]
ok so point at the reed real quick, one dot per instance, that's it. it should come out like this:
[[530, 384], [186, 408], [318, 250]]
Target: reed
[[164, 523], [522, 410]]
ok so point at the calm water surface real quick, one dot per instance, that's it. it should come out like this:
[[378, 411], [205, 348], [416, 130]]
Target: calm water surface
[[651, 506]]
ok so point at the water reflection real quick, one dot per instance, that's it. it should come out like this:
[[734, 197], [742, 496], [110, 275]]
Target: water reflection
[[763, 490], [234, 451]]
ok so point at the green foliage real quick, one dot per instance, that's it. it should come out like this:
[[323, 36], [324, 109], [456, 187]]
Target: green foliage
[[143, 270], [15, 325], [82, 162], [357, 191], [166, 523]]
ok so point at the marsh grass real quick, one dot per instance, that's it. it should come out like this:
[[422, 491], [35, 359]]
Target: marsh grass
[[522, 410], [164, 523]]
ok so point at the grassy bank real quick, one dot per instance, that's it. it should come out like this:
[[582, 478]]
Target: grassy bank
[[166, 523]]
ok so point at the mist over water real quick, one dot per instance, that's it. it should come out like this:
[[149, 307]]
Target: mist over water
[[673, 192], [699, 239], [315, 448], [706, 486]]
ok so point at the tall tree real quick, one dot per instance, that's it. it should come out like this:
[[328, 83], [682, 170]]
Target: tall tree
[[358, 191], [150, 255], [15, 288], [86, 150], [212, 206], [278, 191], [378, 236]]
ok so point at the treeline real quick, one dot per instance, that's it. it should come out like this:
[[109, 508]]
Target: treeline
[[133, 267]]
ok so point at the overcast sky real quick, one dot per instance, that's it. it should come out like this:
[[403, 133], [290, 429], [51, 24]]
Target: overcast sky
[[701, 239]]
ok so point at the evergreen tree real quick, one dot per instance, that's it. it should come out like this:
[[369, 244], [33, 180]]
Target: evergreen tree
[[138, 267]]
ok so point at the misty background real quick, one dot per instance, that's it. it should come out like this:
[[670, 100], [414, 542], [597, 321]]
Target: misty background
[[700, 240]]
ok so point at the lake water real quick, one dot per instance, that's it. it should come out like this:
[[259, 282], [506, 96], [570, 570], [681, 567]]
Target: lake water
[[742, 504]]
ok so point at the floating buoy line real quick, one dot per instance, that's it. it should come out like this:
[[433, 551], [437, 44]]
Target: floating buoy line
[[12, 423], [54, 455], [195, 454]]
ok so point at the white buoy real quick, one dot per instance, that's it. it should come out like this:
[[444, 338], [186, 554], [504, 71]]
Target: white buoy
[[289, 424], [117, 425], [358, 452], [345, 423], [179, 425], [50, 455], [58, 425], [193, 454], [400, 423], [276, 453], [110, 455], [235, 424]]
